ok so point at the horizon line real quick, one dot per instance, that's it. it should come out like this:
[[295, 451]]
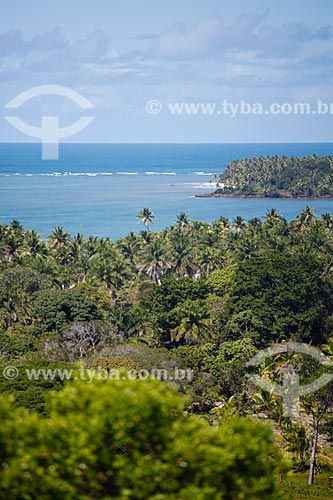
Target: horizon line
[[170, 143]]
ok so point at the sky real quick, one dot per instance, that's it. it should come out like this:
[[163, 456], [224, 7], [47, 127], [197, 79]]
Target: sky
[[240, 57]]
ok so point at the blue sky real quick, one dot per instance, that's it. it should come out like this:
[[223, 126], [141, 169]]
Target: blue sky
[[122, 54]]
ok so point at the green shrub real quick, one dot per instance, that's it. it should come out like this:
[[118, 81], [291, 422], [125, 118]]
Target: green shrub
[[129, 440]]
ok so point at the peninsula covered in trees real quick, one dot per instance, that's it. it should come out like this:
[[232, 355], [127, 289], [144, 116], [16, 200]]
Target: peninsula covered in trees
[[277, 177]]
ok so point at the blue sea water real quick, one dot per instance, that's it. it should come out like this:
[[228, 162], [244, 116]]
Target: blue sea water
[[98, 188]]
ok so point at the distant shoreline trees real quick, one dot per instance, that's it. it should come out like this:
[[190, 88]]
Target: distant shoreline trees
[[275, 176]]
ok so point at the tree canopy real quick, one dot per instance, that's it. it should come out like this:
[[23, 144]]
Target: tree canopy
[[130, 440], [276, 176]]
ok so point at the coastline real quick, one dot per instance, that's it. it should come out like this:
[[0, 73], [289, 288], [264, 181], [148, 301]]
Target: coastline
[[262, 196]]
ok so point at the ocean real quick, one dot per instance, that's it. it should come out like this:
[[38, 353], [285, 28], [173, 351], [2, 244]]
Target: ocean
[[97, 189]]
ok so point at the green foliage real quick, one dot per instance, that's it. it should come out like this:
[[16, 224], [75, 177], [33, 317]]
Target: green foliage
[[218, 370], [296, 486], [15, 342], [225, 289], [173, 291], [138, 356], [194, 296], [279, 176], [268, 280], [297, 443], [16, 283], [27, 279], [29, 390], [171, 302], [129, 440], [56, 309], [278, 297]]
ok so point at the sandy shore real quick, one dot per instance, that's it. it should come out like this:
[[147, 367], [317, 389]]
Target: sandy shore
[[204, 185]]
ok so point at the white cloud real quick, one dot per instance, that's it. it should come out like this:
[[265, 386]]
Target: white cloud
[[13, 42], [52, 40], [210, 37], [178, 42], [90, 48], [247, 53]]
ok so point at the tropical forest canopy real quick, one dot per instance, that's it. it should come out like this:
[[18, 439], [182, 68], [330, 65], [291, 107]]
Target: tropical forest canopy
[[275, 176], [196, 297]]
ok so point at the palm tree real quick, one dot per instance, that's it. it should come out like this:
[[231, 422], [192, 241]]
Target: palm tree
[[79, 239], [305, 217], [268, 402], [34, 245], [112, 270], [58, 238], [16, 230], [103, 272], [11, 240], [2, 243], [146, 217], [12, 246], [16, 226], [327, 219], [239, 223], [15, 305], [155, 262], [209, 260], [255, 222], [193, 324], [297, 442], [183, 221], [120, 272], [197, 227], [48, 267], [246, 249], [221, 225], [273, 213], [317, 406], [129, 246], [123, 321], [91, 246], [182, 253], [146, 237]]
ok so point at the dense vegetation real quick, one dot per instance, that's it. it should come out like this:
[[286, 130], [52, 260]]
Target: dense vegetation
[[196, 297], [275, 176], [130, 440]]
